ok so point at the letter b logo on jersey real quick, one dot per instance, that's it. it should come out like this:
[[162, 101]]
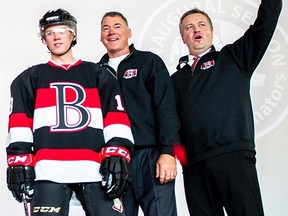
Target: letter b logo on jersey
[[71, 114]]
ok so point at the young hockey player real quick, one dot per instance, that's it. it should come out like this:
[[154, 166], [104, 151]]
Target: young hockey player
[[68, 130]]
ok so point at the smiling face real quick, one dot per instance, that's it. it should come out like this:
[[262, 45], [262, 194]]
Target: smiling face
[[115, 34], [196, 33]]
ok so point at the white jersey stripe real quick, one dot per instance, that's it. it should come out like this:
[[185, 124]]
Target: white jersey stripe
[[48, 117], [19, 134], [68, 171], [118, 130]]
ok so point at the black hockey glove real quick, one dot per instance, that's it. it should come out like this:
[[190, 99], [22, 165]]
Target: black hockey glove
[[115, 170], [116, 176], [20, 180]]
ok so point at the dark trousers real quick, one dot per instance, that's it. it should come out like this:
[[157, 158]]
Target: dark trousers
[[155, 199], [226, 181], [52, 199]]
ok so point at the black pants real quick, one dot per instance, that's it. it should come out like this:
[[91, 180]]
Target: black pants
[[228, 180], [155, 199], [53, 199]]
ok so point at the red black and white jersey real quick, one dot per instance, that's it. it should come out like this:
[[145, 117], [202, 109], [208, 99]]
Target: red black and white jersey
[[64, 116]]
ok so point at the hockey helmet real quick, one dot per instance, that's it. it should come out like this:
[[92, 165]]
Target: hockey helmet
[[57, 17]]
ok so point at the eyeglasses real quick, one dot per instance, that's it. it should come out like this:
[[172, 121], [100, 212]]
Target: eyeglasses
[[60, 31]]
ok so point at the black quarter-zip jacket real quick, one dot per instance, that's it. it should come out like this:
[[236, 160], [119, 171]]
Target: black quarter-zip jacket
[[149, 99], [214, 102]]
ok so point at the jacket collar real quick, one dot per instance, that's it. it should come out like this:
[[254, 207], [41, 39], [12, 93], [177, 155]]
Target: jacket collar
[[183, 61], [105, 57]]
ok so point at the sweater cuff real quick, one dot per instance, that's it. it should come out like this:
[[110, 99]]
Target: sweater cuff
[[167, 150]]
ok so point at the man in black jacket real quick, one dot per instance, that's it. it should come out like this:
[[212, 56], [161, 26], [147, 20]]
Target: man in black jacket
[[149, 98], [215, 110]]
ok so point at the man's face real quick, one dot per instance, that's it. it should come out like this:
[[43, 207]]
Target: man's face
[[58, 38], [115, 35], [196, 33]]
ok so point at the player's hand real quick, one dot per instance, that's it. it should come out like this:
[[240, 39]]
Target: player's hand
[[20, 180], [166, 168], [116, 176]]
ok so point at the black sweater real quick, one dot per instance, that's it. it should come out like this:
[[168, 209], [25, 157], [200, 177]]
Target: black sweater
[[214, 102], [149, 98]]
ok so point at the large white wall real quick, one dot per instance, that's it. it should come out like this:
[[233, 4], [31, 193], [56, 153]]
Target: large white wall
[[154, 26]]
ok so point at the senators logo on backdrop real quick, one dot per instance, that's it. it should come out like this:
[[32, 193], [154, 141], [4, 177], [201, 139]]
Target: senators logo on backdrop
[[269, 88]]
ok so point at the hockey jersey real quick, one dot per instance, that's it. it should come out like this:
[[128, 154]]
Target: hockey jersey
[[64, 116]]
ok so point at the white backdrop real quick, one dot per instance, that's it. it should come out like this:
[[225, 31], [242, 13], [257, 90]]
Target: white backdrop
[[154, 26]]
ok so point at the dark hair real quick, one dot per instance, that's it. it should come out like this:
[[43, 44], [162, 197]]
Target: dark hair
[[114, 14], [194, 11]]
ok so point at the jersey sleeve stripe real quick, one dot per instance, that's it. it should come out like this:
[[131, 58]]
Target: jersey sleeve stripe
[[116, 118], [20, 120], [19, 134], [118, 130]]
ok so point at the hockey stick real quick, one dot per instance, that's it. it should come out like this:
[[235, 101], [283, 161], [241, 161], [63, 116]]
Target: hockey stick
[[25, 203]]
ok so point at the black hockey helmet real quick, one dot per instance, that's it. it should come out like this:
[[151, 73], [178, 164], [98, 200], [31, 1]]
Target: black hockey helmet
[[57, 17]]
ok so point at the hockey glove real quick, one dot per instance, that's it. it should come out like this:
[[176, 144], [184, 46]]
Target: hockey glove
[[20, 180], [115, 171], [21, 176]]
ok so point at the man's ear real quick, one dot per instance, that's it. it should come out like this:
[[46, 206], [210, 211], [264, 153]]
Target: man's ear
[[130, 33], [183, 39]]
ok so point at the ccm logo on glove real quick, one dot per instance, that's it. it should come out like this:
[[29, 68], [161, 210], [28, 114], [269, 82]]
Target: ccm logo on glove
[[20, 160], [114, 151]]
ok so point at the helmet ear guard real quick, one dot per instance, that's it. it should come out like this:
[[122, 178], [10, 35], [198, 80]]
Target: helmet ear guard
[[58, 17]]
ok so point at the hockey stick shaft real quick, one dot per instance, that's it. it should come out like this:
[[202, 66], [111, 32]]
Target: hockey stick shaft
[[25, 204]]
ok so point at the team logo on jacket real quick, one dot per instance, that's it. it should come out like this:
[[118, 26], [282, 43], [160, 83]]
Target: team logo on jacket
[[269, 85], [117, 206], [130, 73], [207, 65]]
